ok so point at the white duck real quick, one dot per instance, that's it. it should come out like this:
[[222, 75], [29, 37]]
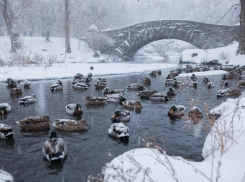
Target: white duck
[[222, 92], [80, 85], [28, 99], [56, 86], [5, 131], [55, 148], [118, 130], [5, 108]]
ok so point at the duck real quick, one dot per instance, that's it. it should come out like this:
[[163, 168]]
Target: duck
[[100, 84], [12, 83], [241, 82], [91, 68], [230, 75], [224, 83], [195, 114], [193, 77], [159, 96], [5, 131], [5, 108], [70, 125], [146, 80], [15, 91], [209, 85], [153, 73], [55, 148], [224, 77], [235, 92], [119, 130], [169, 76], [107, 90], [177, 84], [169, 81], [118, 98], [193, 83], [28, 99], [26, 84], [222, 92], [87, 78], [146, 94], [205, 79], [135, 86], [74, 109], [101, 80], [80, 85], [35, 123], [56, 86], [159, 72], [96, 100], [130, 104], [197, 69], [171, 92], [78, 76], [120, 116], [176, 111]]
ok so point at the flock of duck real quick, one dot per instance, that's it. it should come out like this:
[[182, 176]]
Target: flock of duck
[[55, 148]]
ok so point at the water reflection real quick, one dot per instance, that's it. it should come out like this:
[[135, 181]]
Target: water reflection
[[55, 167]]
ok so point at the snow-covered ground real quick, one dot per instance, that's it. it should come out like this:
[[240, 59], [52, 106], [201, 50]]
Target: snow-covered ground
[[223, 154], [5, 177]]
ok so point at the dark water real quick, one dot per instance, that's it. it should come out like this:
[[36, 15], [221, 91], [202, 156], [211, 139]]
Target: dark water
[[88, 151]]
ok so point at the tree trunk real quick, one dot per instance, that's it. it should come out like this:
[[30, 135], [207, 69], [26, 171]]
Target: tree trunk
[[67, 28], [11, 26], [241, 47]]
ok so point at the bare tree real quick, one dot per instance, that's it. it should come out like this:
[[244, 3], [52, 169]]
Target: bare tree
[[67, 28], [241, 47], [9, 19]]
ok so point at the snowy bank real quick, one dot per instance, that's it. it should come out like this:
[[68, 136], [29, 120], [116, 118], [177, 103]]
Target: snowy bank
[[225, 55], [5, 177], [204, 73], [68, 70], [224, 164]]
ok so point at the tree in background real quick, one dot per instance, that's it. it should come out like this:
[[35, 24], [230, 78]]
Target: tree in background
[[67, 28], [9, 18], [241, 47]]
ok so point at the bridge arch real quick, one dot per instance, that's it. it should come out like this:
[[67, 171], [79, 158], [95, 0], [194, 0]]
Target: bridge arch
[[128, 40]]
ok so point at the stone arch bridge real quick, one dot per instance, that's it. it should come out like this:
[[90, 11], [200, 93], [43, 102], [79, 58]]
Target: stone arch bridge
[[128, 40]]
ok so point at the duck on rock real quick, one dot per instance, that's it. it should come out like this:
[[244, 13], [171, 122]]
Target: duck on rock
[[5, 131], [74, 109], [71, 125], [54, 149], [35, 123], [56, 86], [176, 111], [120, 116], [5, 108]]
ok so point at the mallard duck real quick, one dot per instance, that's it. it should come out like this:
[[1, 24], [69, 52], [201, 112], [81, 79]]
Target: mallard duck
[[15, 91], [169, 76], [102, 80], [28, 99], [55, 148], [5, 131], [210, 85], [241, 82], [224, 83], [135, 86], [12, 83], [171, 92], [146, 80], [235, 92], [80, 85], [177, 84], [26, 84], [118, 98], [78, 76], [159, 72], [118, 130], [230, 75], [70, 125], [74, 109], [56, 86], [100, 84], [159, 96], [205, 79], [4, 108], [107, 90], [146, 94], [35, 123], [96, 100], [222, 92], [87, 78], [153, 73], [132, 104], [193, 84], [195, 114], [176, 111], [224, 77], [120, 116], [169, 81], [193, 77]]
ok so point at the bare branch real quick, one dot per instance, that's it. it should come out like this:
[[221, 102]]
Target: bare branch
[[234, 5]]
